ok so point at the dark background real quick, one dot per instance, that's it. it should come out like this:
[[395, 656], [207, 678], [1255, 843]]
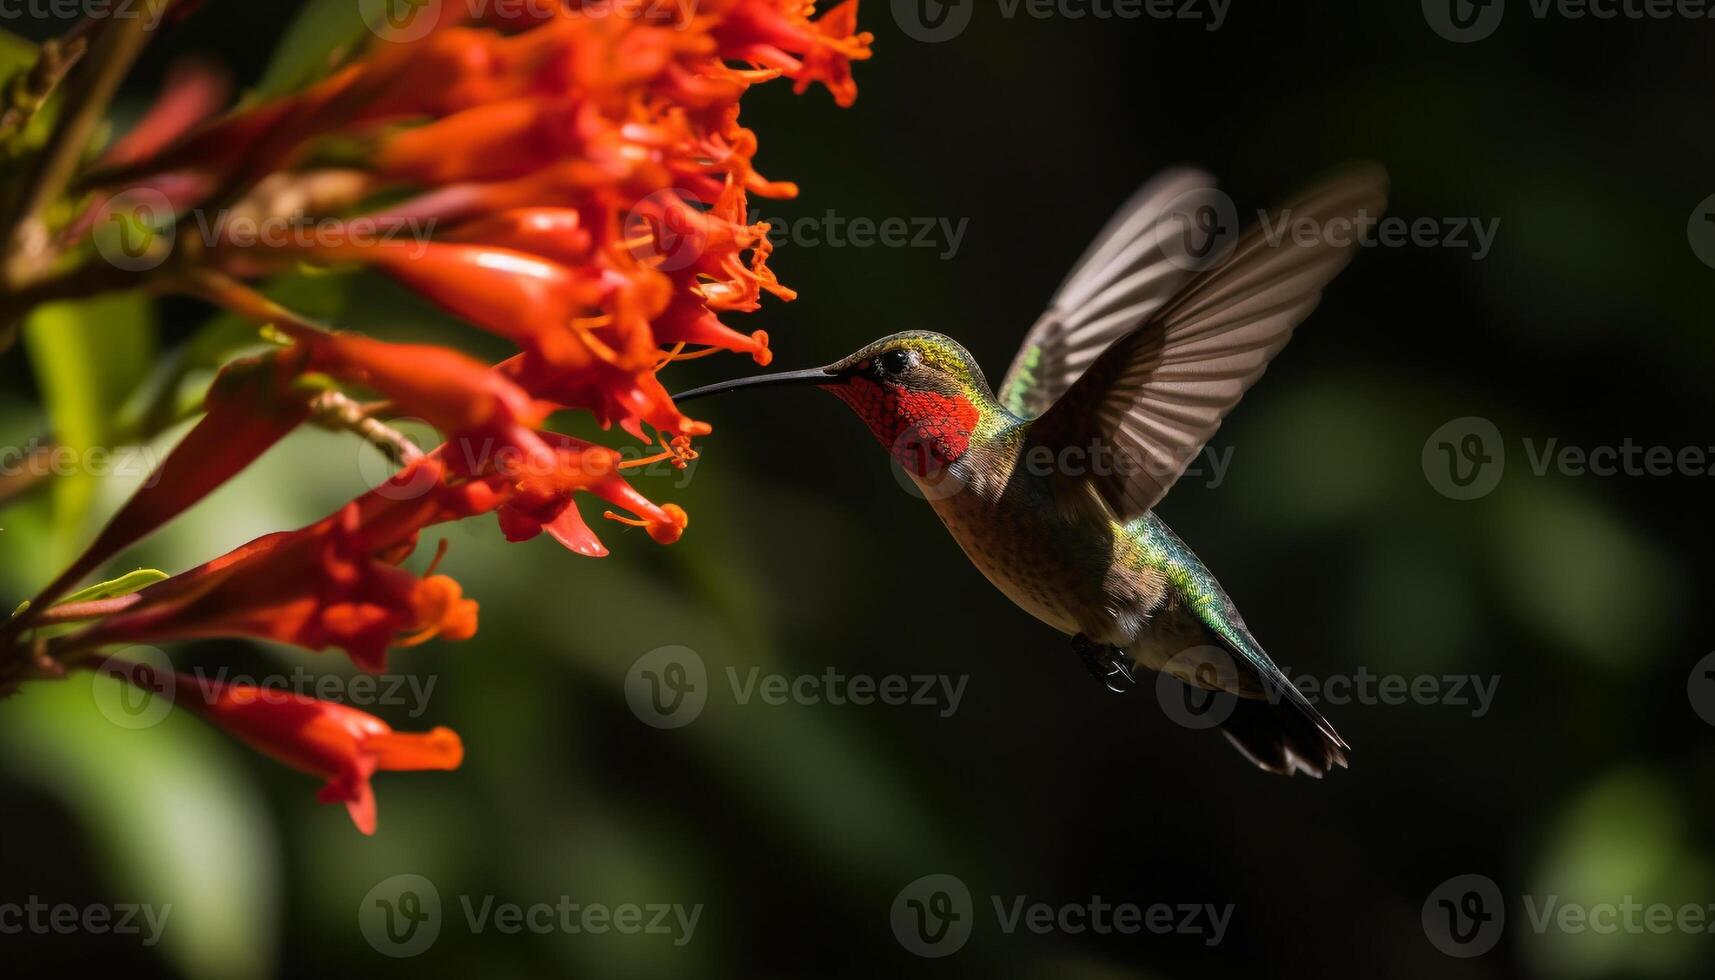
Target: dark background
[[797, 826]]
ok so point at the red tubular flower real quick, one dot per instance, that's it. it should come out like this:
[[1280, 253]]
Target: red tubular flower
[[193, 91], [556, 234], [451, 391], [529, 300], [576, 181], [249, 408], [768, 33], [334, 742], [547, 505], [334, 583], [497, 141], [687, 322]]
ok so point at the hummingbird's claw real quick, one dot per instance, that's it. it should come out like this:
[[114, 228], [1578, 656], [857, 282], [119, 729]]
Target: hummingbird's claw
[[1108, 664], [1121, 676]]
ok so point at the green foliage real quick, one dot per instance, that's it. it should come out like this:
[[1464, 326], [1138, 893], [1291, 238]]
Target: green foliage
[[170, 814], [1564, 558], [321, 31], [89, 358], [113, 588], [1627, 837]]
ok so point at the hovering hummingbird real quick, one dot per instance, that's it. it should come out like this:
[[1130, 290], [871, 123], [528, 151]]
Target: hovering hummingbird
[[1048, 486]]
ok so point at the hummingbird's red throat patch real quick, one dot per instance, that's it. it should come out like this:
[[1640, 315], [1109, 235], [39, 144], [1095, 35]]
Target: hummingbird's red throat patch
[[923, 430]]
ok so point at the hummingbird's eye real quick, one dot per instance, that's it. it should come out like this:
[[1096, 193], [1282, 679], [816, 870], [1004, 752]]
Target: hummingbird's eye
[[899, 360]]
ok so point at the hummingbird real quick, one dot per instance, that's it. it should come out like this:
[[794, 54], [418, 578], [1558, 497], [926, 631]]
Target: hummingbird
[[1048, 484]]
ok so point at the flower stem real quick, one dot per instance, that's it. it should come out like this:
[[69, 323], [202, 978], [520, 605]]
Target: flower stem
[[88, 90]]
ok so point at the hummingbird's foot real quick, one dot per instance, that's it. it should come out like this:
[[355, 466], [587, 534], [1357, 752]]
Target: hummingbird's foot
[[1108, 664]]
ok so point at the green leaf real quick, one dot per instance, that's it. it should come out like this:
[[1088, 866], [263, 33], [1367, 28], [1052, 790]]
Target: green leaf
[[171, 816], [1563, 555], [175, 391], [1627, 837], [89, 357], [113, 588], [311, 45], [17, 58], [16, 54]]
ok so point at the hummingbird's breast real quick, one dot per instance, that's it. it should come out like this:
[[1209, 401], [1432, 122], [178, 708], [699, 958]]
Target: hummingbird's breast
[[1068, 565]]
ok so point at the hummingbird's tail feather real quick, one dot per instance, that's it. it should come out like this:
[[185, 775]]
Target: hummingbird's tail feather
[[1284, 737]]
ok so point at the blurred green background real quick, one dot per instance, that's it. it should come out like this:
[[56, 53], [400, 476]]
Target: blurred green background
[[796, 827]]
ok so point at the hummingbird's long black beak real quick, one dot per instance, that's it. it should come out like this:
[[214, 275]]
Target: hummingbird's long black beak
[[810, 376]]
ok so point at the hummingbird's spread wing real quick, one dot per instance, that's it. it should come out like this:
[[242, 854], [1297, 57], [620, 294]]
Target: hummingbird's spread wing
[[1150, 402], [1121, 278]]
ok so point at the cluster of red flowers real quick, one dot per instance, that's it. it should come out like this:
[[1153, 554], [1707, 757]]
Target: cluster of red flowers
[[584, 175]]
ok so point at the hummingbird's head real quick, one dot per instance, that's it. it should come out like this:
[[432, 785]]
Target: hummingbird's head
[[921, 394]]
